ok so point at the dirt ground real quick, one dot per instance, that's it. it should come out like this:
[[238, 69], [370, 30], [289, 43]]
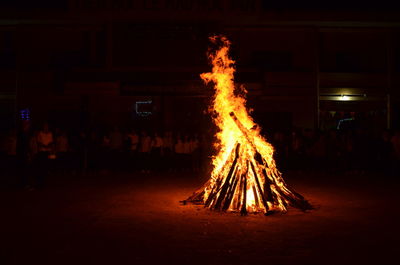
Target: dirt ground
[[137, 219]]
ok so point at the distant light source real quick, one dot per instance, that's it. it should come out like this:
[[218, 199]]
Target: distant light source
[[339, 126], [143, 108], [25, 114], [344, 98]]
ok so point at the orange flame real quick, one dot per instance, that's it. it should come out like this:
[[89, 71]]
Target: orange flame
[[244, 176]]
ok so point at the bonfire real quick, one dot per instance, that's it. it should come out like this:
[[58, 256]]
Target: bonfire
[[244, 178]]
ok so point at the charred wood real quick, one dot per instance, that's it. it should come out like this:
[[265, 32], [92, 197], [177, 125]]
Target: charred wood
[[262, 195], [225, 186], [243, 211], [246, 133]]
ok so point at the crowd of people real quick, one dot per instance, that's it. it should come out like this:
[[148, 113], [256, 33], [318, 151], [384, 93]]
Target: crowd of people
[[38, 152], [339, 151]]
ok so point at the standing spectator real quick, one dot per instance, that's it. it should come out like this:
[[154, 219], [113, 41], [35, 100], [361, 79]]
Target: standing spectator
[[116, 139], [280, 153], [3, 148], [168, 147], [45, 140], [205, 150], [83, 146], [156, 150], [105, 151], [296, 151], [348, 157], [45, 145], [179, 149], [116, 144], [332, 151], [385, 152], [61, 149], [33, 145], [94, 149], [10, 146], [144, 150], [361, 151], [133, 139], [187, 153], [319, 151], [23, 152], [195, 151], [395, 140], [105, 141], [307, 143]]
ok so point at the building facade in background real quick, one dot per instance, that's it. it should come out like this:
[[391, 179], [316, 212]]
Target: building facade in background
[[83, 63]]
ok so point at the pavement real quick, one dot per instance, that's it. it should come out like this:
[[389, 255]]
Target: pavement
[[134, 218]]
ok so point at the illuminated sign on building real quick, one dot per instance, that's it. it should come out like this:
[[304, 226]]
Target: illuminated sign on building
[[144, 108], [25, 114]]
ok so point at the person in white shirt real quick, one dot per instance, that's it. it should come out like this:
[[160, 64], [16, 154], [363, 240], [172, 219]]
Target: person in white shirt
[[195, 153], [187, 153], [168, 147], [61, 145], [144, 151], [45, 148], [116, 140], [145, 143], [168, 142], [45, 140], [133, 139], [156, 150], [157, 143], [187, 147]]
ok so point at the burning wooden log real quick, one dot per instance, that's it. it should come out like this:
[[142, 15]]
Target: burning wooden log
[[243, 211], [231, 191], [227, 183], [230, 194], [260, 191], [257, 155], [198, 195]]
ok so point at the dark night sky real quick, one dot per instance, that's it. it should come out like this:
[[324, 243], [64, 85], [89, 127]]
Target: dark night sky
[[27, 4], [338, 5]]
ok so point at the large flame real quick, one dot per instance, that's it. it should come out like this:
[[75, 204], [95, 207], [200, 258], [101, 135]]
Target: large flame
[[244, 176]]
